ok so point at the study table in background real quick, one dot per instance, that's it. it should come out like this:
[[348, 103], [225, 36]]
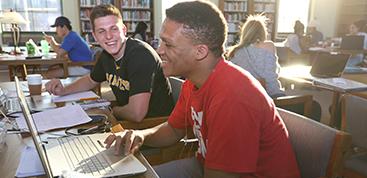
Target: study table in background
[[301, 75], [13, 61], [11, 153]]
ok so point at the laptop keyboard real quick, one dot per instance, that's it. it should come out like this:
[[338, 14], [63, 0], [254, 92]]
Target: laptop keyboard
[[84, 156]]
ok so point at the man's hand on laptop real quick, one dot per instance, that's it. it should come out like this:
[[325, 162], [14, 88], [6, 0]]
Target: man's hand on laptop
[[128, 141], [55, 87]]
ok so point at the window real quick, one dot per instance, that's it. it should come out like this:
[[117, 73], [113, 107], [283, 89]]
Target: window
[[289, 12], [39, 13]]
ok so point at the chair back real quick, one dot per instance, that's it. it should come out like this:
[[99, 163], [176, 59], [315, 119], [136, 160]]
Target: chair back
[[320, 150], [176, 85], [354, 120]]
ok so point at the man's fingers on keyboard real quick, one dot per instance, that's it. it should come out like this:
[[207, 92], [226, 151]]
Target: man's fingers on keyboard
[[128, 141], [109, 140], [118, 145]]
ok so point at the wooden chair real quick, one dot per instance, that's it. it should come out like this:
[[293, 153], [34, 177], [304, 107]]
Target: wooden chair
[[320, 150], [354, 121], [90, 64]]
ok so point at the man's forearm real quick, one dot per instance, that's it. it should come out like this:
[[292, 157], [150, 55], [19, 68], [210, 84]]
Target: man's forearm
[[153, 136], [83, 84]]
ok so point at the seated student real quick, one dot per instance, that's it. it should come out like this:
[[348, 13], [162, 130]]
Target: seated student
[[356, 28], [72, 46], [140, 31], [258, 56], [131, 67], [296, 41], [314, 35], [240, 133]]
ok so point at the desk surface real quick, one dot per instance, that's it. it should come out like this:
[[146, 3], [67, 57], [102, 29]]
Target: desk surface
[[10, 155]]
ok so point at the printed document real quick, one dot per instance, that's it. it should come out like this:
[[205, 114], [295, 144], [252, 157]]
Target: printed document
[[67, 116]]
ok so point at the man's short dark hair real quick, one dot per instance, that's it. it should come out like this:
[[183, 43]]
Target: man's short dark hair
[[102, 11], [203, 22]]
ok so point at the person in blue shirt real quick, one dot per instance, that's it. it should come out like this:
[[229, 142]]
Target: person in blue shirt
[[73, 46]]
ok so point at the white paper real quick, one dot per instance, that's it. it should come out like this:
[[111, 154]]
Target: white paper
[[63, 117], [30, 163], [74, 96]]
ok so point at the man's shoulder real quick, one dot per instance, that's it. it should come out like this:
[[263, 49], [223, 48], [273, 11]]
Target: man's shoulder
[[140, 48]]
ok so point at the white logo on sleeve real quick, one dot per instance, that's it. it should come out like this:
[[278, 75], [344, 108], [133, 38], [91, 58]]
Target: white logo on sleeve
[[197, 117]]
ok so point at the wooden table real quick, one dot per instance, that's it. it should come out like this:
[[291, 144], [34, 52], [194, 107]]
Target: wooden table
[[13, 62], [301, 75]]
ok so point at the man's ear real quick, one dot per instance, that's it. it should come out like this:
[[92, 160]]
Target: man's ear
[[94, 36], [202, 51], [124, 29]]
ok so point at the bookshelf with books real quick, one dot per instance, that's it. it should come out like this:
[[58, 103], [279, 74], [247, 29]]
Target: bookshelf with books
[[133, 12], [236, 12], [86, 7]]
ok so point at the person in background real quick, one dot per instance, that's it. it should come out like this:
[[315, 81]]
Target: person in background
[[73, 46], [356, 28], [258, 56], [312, 32], [141, 31], [240, 134], [131, 67], [296, 41]]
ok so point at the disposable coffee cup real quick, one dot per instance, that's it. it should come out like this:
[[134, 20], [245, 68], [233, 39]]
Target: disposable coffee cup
[[35, 84]]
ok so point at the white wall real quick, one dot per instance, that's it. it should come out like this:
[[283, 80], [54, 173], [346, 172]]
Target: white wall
[[326, 13], [71, 11]]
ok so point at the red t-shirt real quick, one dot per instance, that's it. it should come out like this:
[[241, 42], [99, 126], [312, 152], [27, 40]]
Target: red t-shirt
[[238, 127]]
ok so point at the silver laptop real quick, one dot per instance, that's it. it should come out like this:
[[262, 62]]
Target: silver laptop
[[78, 156]]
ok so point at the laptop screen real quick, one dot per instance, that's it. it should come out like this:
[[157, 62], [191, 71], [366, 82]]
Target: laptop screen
[[329, 65], [32, 128], [352, 42]]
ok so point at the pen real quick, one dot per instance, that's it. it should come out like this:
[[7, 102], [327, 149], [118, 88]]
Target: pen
[[88, 99], [44, 33], [100, 143]]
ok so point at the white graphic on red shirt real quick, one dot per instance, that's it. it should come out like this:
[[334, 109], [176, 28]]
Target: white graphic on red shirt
[[197, 117]]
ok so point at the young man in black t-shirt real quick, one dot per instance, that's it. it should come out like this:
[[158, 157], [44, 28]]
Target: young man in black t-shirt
[[131, 67]]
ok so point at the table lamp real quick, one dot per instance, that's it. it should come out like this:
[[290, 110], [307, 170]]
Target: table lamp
[[13, 18]]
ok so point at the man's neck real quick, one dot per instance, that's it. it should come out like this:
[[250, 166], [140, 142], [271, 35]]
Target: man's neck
[[121, 52], [203, 71]]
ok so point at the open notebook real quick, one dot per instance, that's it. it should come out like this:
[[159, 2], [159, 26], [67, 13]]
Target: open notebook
[[82, 156]]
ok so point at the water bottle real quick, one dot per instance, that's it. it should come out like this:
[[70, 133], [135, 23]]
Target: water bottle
[[44, 47]]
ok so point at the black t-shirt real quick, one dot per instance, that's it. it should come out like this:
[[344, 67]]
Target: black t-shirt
[[138, 71]]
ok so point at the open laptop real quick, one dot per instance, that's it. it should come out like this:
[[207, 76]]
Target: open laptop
[[352, 42], [328, 65], [81, 156]]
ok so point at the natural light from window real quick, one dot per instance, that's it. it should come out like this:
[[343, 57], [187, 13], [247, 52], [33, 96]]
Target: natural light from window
[[289, 11]]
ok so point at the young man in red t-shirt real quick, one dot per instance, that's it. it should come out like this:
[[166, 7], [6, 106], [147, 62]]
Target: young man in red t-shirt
[[240, 132]]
